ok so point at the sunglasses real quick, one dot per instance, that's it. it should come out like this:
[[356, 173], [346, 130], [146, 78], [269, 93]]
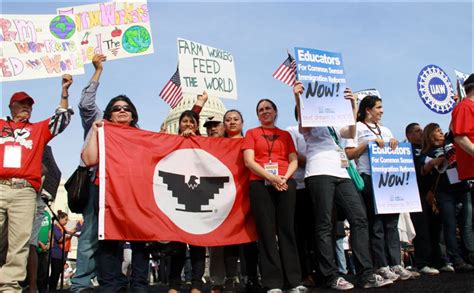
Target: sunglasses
[[118, 108]]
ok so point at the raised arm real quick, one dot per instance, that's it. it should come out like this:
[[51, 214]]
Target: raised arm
[[351, 130], [298, 89]]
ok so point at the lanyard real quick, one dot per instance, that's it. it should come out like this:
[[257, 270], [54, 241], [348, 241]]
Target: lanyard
[[334, 136], [379, 134], [270, 148]]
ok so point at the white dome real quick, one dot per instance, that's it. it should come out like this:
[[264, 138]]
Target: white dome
[[213, 107]]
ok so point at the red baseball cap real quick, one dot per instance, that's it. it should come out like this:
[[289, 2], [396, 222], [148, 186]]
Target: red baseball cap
[[20, 96]]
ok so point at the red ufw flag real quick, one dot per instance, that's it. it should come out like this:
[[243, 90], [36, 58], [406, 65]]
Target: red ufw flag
[[157, 186]]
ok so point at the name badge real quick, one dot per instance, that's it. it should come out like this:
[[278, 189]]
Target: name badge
[[12, 156], [270, 168], [343, 157]]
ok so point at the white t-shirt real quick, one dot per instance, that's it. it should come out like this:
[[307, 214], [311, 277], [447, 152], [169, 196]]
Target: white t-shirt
[[364, 134], [322, 157], [300, 145]]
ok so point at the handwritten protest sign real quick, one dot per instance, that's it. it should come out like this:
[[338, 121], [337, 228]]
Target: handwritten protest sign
[[38, 46], [116, 29], [322, 103], [206, 68], [394, 179]]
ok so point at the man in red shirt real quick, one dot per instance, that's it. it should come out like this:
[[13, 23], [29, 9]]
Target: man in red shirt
[[462, 125], [21, 151]]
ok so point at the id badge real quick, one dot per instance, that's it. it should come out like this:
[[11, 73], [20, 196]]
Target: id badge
[[12, 156], [343, 157], [270, 168], [453, 176]]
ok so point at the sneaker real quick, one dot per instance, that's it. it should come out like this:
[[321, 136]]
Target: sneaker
[[376, 281], [341, 284], [448, 268], [463, 267], [402, 272], [274, 291], [386, 273], [414, 275], [426, 270]]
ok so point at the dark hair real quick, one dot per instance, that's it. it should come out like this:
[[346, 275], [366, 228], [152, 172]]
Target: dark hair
[[367, 103], [468, 88], [124, 98], [241, 118], [410, 127], [296, 113], [427, 143], [61, 214], [191, 114]]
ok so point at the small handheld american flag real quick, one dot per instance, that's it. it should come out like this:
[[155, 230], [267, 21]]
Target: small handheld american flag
[[171, 92], [286, 73]]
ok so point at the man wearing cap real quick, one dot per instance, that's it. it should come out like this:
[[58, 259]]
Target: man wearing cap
[[21, 151], [462, 125], [214, 127]]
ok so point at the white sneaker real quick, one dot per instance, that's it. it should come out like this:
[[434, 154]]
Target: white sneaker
[[376, 281], [402, 272], [386, 273], [274, 291], [447, 269], [426, 270], [299, 289], [341, 284]]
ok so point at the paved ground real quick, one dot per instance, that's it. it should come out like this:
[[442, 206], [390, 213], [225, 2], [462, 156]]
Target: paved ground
[[446, 282]]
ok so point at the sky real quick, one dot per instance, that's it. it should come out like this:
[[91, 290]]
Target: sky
[[384, 45]]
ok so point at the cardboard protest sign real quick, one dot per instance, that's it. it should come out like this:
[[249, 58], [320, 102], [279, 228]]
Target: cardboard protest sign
[[38, 46], [206, 68], [394, 179], [117, 29], [322, 103]]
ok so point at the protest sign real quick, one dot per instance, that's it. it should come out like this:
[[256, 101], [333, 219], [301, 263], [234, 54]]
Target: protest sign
[[435, 89], [38, 46], [206, 68], [322, 103], [394, 179], [460, 78], [117, 29], [364, 93]]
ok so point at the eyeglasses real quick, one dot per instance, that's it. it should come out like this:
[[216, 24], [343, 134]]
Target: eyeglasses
[[118, 108]]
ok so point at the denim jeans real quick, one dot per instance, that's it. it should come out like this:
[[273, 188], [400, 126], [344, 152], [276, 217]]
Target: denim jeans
[[326, 191], [341, 256], [384, 237], [88, 243], [447, 202]]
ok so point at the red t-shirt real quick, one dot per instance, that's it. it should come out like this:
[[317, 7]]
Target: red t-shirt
[[262, 140], [462, 123], [31, 138]]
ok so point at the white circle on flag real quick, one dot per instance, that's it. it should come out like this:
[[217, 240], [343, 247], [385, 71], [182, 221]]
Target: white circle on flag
[[194, 189]]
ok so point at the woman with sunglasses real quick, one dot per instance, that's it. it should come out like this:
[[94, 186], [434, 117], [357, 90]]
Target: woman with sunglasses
[[438, 171], [104, 256], [270, 154], [383, 228]]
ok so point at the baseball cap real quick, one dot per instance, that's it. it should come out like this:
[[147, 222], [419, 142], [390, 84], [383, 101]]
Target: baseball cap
[[20, 96], [210, 120]]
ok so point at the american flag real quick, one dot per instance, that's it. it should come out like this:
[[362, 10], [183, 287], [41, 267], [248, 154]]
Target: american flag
[[286, 73], [171, 93]]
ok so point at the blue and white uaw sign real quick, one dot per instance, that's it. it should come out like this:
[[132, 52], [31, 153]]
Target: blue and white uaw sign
[[435, 89], [394, 179], [322, 103]]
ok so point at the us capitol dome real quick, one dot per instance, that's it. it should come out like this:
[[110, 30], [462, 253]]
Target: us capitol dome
[[213, 107]]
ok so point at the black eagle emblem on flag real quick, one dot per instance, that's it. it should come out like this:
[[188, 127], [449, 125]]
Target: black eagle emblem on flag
[[193, 195]]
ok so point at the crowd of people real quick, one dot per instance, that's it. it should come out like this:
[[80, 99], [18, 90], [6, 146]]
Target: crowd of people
[[299, 189]]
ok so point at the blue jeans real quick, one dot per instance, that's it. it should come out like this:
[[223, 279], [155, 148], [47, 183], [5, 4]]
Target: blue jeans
[[341, 256], [447, 202], [88, 244], [327, 191]]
